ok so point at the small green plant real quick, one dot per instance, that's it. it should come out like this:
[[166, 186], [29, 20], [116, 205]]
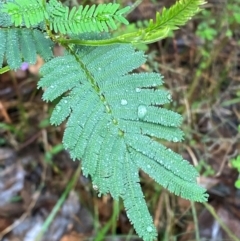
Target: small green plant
[[233, 8], [206, 30], [116, 118], [236, 164], [205, 169]]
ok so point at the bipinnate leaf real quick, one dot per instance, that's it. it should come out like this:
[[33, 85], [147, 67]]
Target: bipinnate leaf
[[115, 122]]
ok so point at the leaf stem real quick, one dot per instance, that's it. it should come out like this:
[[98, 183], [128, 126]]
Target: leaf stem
[[4, 69]]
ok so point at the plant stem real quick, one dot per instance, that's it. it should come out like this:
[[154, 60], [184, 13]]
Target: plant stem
[[4, 69]]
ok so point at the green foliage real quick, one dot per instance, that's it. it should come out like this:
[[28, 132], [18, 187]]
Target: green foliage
[[84, 19], [176, 15], [236, 164], [207, 29], [115, 117], [115, 120], [23, 45], [63, 20], [233, 8], [205, 169], [172, 18], [133, 27], [24, 11]]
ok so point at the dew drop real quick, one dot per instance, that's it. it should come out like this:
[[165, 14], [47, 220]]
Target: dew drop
[[149, 229], [169, 96], [99, 69], [175, 139], [115, 121], [124, 102], [65, 101], [138, 90], [148, 166], [52, 86], [95, 187], [142, 111]]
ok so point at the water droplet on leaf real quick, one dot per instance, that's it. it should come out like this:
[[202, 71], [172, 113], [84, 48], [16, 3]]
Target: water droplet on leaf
[[58, 108], [175, 139], [149, 229], [124, 102], [142, 111], [169, 96], [52, 86], [138, 90]]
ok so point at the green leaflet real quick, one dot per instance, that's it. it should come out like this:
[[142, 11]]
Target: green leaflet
[[176, 15], [3, 42], [22, 46], [134, 202], [13, 54], [114, 120]]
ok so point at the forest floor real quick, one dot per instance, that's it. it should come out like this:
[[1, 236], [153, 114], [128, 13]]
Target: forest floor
[[201, 68]]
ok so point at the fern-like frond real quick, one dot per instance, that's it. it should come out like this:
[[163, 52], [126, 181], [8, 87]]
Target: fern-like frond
[[175, 16], [96, 18], [23, 45], [25, 12], [115, 123]]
